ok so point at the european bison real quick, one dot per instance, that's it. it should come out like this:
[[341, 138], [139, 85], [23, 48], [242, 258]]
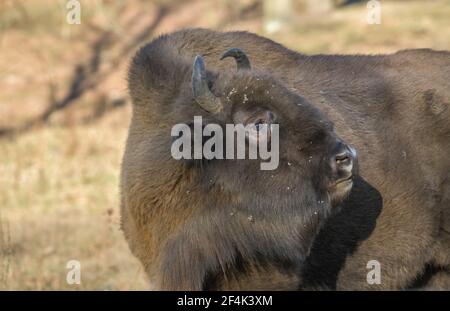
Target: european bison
[[224, 224], [395, 110]]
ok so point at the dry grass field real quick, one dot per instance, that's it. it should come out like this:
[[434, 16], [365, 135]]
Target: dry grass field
[[59, 178]]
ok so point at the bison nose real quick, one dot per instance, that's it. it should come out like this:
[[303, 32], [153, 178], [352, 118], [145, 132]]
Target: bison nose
[[343, 159]]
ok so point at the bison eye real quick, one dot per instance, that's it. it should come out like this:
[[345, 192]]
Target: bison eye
[[258, 124]]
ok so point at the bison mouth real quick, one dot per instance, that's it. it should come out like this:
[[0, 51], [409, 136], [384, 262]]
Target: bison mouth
[[340, 189], [344, 181]]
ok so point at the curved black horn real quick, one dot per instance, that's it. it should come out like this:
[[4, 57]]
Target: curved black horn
[[202, 94], [241, 58]]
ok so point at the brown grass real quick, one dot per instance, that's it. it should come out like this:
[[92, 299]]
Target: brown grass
[[59, 183]]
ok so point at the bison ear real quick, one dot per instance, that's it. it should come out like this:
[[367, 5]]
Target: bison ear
[[200, 89]]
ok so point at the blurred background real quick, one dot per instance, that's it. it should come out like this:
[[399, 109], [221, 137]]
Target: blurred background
[[64, 111]]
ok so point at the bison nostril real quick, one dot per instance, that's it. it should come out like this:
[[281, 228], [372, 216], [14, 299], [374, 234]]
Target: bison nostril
[[343, 158]]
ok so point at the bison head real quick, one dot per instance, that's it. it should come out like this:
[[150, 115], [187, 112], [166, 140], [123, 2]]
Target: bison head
[[315, 164], [201, 223]]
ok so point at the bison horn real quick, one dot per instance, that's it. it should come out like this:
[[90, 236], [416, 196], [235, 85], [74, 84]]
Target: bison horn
[[202, 94], [241, 58]]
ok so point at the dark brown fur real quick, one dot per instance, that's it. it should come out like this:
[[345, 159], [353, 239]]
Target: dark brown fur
[[221, 224], [396, 110]]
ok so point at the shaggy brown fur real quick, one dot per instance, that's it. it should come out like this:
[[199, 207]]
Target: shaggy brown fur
[[395, 110], [221, 224]]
